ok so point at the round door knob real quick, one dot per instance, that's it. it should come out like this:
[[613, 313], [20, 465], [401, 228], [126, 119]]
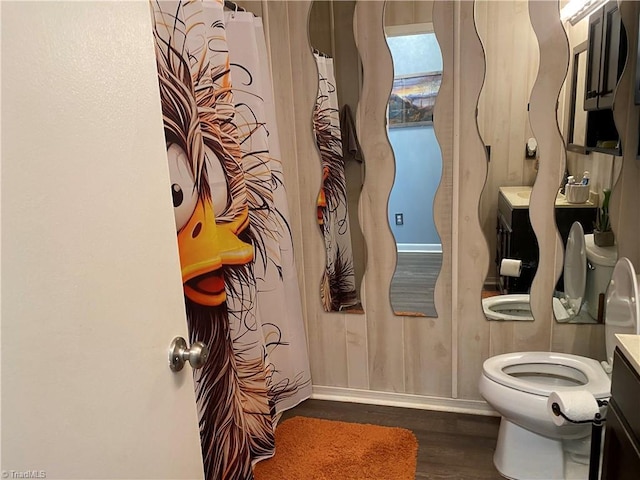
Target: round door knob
[[179, 354]]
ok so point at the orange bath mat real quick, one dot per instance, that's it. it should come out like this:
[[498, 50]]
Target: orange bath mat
[[315, 449]]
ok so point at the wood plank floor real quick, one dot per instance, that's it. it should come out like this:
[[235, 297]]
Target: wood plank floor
[[414, 281], [450, 445]]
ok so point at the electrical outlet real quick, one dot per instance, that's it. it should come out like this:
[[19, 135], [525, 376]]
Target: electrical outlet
[[399, 219]]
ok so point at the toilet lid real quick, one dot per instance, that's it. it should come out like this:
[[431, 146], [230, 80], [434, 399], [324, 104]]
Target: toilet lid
[[622, 312], [575, 268], [519, 370]]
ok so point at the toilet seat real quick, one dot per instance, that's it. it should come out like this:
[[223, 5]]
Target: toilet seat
[[508, 307], [575, 269], [587, 373], [622, 306], [517, 307]]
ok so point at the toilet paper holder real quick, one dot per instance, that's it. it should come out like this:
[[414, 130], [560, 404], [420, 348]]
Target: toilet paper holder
[[596, 436], [555, 408]]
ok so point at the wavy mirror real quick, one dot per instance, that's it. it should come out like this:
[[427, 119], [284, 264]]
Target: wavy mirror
[[417, 65], [339, 82], [598, 45], [512, 57]]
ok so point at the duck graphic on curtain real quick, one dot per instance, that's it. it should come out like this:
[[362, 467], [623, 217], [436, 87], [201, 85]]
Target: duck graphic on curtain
[[236, 254], [338, 286]]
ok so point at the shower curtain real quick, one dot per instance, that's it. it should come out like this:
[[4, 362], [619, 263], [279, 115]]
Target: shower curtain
[[337, 289], [236, 254]]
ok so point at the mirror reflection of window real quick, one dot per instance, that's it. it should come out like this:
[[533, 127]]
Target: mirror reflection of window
[[417, 63]]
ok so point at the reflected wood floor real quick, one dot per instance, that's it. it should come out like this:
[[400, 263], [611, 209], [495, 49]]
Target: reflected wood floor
[[414, 281], [450, 445]]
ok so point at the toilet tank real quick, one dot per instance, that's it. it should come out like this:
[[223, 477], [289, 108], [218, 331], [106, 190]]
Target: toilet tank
[[601, 261]]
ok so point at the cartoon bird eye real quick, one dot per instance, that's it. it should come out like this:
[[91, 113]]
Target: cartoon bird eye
[[183, 191], [178, 196], [217, 182]]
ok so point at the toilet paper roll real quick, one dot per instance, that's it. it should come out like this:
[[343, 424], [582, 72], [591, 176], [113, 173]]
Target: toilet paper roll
[[577, 405], [510, 267]]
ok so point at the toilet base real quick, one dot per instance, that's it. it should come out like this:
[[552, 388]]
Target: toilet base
[[524, 455]]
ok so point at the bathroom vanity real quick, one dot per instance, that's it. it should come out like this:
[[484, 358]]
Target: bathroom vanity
[[517, 240], [621, 460]]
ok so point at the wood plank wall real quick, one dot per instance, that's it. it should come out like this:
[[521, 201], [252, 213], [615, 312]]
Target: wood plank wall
[[470, 249], [378, 351], [626, 195], [554, 61]]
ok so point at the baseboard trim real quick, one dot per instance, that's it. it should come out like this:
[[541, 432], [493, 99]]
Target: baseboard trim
[[405, 400], [419, 247]]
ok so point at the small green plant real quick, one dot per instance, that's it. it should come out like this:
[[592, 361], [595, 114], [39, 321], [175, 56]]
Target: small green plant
[[602, 219]]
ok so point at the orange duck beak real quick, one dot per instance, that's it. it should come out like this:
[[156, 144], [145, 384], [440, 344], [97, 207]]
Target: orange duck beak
[[322, 197], [204, 248]]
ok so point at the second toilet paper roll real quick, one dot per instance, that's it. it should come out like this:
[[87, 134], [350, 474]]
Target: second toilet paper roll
[[510, 267], [578, 405]]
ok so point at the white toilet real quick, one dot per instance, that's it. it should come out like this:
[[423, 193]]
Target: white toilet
[[600, 263], [517, 385], [517, 307]]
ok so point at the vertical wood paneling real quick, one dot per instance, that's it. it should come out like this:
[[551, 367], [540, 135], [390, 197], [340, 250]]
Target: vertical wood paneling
[[471, 254], [586, 340], [626, 195], [327, 338], [423, 11], [380, 351], [502, 335], [399, 12], [402, 12], [554, 60], [428, 342], [321, 26], [385, 332], [357, 354], [333, 350], [428, 357]]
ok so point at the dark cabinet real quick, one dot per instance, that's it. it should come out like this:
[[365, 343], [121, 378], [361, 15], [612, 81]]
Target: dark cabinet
[[606, 56], [517, 240], [594, 56], [621, 459]]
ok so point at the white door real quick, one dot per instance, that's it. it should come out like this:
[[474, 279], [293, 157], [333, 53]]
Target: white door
[[91, 288]]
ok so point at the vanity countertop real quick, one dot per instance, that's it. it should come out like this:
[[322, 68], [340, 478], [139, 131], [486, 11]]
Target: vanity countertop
[[518, 197], [630, 346]]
